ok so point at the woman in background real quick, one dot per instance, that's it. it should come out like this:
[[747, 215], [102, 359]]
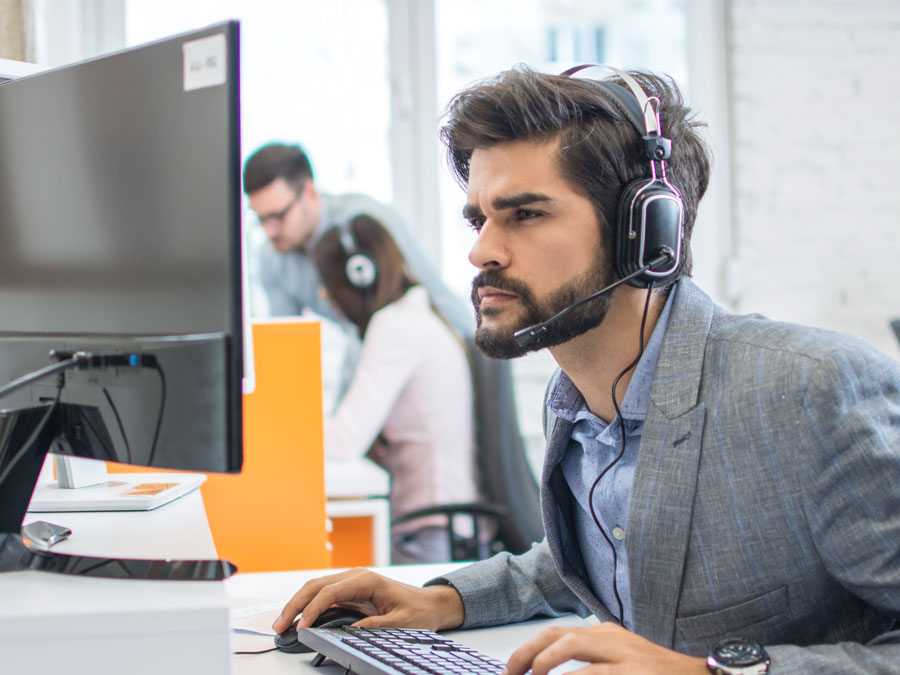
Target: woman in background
[[409, 406]]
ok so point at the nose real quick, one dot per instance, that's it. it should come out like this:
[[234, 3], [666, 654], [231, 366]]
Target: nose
[[270, 226], [488, 251]]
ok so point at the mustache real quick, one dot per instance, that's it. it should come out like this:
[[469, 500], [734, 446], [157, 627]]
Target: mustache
[[498, 280]]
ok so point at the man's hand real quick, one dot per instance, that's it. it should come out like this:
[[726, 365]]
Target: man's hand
[[609, 648], [388, 603]]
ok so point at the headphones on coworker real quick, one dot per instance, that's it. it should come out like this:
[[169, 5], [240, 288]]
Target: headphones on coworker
[[650, 213], [359, 267]]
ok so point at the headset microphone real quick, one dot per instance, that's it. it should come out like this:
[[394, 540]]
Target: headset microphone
[[527, 336]]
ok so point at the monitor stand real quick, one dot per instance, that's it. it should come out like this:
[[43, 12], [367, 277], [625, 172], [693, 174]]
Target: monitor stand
[[26, 436]]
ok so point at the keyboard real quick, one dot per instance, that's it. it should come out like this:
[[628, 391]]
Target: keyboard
[[396, 651]]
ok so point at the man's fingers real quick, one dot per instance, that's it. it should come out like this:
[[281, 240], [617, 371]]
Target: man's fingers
[[575, 645], [301, 598], [389, 620], [607, 648], [606, 643], [521, 659], [357, 588], [388, 603], [596, 669]]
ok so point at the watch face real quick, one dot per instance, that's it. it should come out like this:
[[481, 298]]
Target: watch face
[[738, 652]]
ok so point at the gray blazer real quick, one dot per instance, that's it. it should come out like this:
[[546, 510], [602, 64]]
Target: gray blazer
[[765, 503]]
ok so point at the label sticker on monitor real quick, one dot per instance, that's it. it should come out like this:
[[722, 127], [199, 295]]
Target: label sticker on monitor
[[204, 62]]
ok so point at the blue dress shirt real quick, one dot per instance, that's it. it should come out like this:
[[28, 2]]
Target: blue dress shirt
[[594, 444]]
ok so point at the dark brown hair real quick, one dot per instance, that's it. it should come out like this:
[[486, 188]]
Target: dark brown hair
[[599, 149], [372, 239], [274, 161]]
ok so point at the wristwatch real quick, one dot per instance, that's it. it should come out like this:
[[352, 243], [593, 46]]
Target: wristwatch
[[738, 656]]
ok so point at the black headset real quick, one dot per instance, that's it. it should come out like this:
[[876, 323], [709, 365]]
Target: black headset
[[650, 213], [359, 267]]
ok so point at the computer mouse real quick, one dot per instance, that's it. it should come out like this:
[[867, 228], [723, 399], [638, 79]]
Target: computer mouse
[[333, 617]]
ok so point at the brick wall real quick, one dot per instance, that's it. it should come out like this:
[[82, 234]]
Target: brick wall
[[815, 151]]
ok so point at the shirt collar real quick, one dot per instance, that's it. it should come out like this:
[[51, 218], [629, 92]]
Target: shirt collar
[[566, 401]]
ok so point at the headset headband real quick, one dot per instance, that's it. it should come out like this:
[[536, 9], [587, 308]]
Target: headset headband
[[348, 242], [650, 214], [639, 110]]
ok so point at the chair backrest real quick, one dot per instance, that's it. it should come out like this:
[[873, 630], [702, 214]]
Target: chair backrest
[[507, 478]]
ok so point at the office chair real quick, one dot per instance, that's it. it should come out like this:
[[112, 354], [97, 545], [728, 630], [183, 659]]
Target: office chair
[[510, 518]]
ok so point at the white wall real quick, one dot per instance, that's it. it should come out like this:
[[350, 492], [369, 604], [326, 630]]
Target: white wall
[[815, 161]]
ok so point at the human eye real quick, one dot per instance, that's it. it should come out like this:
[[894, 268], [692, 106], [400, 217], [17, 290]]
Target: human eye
[[526, 214], [475, 223]]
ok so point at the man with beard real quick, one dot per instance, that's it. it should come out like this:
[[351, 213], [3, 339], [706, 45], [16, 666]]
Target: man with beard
[[718, 490]]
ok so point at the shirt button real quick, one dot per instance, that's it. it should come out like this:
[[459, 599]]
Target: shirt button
[[619, 533]]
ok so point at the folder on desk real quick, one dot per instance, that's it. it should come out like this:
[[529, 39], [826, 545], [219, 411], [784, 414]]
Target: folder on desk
[[122, 492]]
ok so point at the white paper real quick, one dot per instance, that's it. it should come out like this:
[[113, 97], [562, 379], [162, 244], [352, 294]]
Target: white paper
[[204, 62], [256, 618]]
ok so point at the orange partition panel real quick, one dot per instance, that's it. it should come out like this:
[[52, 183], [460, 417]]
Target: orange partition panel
[[271, 516], [351, 541]]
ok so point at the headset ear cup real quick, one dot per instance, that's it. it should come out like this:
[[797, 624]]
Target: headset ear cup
[[650, 216], [361, 271], [627, 232]]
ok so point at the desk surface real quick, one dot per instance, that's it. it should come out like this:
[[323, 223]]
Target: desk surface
[[277, 587], [181, 524], [180, 530], [186, 621]]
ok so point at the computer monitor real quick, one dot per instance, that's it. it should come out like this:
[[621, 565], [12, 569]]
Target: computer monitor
[[121, 259]]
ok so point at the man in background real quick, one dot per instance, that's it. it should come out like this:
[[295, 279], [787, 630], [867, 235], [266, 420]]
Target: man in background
[[278, 180]]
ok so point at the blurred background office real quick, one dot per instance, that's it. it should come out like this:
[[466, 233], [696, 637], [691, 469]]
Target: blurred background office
[[802, 220]]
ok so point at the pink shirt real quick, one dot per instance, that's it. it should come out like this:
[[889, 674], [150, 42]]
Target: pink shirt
[[413, 386]]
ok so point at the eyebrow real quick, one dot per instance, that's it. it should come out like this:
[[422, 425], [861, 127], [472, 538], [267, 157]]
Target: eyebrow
[[502, 203]]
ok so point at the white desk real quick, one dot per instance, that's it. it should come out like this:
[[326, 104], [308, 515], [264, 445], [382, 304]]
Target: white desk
[[54, 623], [183, 623], [277, 587], [179, 529], [353, 489]]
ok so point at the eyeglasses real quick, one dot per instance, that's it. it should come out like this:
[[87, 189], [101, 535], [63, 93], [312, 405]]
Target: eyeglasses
[[278, 218]]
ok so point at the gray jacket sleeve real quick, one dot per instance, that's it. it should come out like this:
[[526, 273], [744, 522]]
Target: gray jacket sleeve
[[510, 588], [852, 504]]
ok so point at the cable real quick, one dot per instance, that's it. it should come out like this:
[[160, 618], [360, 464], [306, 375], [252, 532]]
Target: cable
[[621, 616], [162, 407], [261, 651], [80, 360], [112, 405], [26, 446], [119, 422], [40, 374]]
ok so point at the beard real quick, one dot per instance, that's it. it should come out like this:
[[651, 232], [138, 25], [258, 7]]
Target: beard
[[499, 343]]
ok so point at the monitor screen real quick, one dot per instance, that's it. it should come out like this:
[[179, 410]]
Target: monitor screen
[[120, 233]]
